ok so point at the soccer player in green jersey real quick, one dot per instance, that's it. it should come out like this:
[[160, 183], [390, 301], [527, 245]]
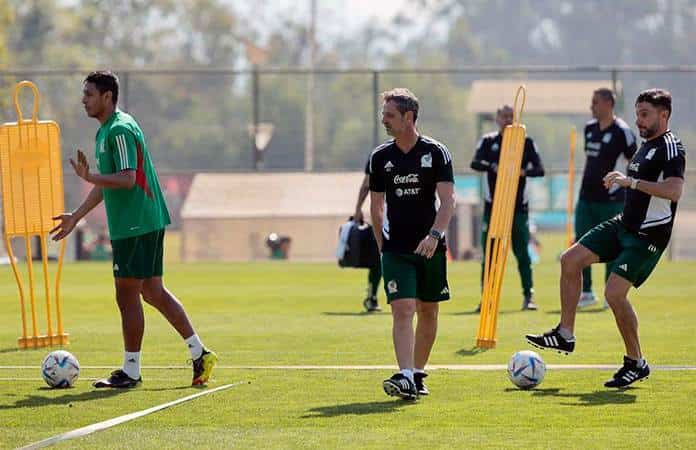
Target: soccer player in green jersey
[[137, 216]]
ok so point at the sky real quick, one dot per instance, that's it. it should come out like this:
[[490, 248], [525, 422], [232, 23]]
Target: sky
[[341, 15]]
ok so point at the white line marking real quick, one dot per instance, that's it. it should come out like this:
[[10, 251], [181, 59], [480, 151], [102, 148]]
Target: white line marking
[[89, 429], [472, 367]]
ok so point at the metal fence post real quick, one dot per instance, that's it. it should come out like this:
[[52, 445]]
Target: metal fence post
[[375, 106]]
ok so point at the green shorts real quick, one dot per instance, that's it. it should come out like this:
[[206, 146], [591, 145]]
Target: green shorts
[[590, 214], [139, 256], [414, 276], [631, 257]]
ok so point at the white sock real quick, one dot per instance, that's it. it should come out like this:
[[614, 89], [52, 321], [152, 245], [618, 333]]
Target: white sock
[[195, 346], [408, 373], [418, 370], [131, 364]]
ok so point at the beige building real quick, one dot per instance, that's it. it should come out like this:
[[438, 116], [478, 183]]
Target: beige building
[[229, 216]]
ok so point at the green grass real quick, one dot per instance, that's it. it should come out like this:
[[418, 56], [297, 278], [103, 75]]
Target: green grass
[[275, 313]]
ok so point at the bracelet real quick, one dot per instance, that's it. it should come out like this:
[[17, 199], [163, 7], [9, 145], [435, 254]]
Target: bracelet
[[634, 183]]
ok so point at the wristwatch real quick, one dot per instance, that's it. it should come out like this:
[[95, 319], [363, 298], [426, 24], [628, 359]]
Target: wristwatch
[[436, 234], [634, 182]]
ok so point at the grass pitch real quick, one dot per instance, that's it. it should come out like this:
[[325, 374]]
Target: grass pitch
[[276, 313]]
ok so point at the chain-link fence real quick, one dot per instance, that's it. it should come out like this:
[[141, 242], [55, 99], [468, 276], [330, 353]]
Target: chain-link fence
[[202, 120]]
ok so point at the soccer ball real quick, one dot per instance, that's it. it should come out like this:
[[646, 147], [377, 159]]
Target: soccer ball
[[60, 369], [526, 369]]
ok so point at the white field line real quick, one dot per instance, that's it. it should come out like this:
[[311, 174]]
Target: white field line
[[465, 367], [89, 429]]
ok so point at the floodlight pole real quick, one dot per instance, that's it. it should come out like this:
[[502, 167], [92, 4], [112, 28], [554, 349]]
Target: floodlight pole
[[309, 107], [255, 153]]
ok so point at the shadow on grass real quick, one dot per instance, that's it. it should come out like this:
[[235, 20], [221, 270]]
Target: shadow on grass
[[357, 409], [9, 350], [361, 313], [473, 351], [36, 401], [580, 311], [596, 398]]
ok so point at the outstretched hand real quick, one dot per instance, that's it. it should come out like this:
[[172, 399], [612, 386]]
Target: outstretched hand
[[81, 167], [66, 225]]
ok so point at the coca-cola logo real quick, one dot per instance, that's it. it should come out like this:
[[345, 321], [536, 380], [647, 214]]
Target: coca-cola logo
[[411, 178]]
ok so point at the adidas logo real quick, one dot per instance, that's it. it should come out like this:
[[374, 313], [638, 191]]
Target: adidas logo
[[624, 267], [115, 267], [445, 290], [388, 166]]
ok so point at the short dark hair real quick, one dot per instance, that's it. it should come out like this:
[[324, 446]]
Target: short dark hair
[[105, 81], [607, 94], [659, 98], [405, 100]]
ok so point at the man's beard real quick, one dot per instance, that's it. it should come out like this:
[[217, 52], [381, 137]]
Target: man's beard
[[648, 132]]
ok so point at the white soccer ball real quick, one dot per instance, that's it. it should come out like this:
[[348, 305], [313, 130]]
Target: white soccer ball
[[60, 369], [526, 369]]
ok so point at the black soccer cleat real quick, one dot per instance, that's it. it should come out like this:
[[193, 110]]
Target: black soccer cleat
[[628, 374], [370, 304], [118, 379], [400, 386], [552, 340], [420, 386]]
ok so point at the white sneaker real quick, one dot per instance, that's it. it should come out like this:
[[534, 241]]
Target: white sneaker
[[587, 299]]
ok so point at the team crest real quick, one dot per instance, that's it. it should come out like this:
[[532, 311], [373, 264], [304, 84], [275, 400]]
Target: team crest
[[392, 287], [495, 147], [427, 160]]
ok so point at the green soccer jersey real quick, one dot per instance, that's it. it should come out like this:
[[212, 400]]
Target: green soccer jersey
[[141, 209]]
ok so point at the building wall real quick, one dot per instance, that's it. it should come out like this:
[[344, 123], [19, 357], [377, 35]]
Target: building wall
[[244, 239]]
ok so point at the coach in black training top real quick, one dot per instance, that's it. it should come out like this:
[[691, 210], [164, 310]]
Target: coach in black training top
[[609, 145], [633, 241], [486, 160], [405, 174]]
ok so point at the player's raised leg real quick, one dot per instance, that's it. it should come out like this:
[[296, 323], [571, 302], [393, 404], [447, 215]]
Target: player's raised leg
[[561, 338], [204, 360]]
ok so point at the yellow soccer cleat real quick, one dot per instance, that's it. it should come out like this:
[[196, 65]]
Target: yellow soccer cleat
[[203, 367]]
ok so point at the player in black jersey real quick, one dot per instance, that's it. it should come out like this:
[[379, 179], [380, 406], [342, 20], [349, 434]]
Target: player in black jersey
[[633, 241], [374, 274], [486, 160], [405, 174], [609, 145]]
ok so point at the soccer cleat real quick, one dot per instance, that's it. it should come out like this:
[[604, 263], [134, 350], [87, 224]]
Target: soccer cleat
[[420, 386], [203, 367], [400, 386], [587, 299], [478, 308], [628, 374], [118, 379], [552, 340], [370, 304], [528, 303]]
